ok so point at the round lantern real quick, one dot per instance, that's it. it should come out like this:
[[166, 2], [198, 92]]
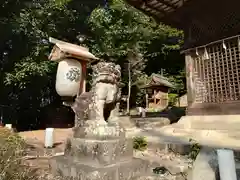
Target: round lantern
[[68, 78]]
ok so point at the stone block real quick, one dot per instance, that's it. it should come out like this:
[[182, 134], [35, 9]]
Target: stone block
[[161, 177], [211, 122], [151, 122], [91, 130], [182, 149], [205, 166], [124, 170], [99, 152], [134, 168], [127, 122]]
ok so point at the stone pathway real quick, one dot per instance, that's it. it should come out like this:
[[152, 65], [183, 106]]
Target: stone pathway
[[175, 163], [177, 166]]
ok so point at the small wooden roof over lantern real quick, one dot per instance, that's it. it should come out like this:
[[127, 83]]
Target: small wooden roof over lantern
[[72, 65], [64, 50]]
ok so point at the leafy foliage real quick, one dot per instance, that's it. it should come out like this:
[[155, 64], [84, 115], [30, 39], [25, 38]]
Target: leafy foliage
[[27, 78], [140, 143], [178, 80], [195, 149], [122, 34], [115, 32], [172, 99], [121, 29], [160, 170], [12, 149]]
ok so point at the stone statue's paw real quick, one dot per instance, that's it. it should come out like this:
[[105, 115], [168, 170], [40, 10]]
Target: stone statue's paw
[[101, 122], [113, 121]]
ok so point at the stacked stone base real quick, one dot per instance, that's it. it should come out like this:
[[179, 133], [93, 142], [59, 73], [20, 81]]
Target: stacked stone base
[[125, 170], [99, 153]]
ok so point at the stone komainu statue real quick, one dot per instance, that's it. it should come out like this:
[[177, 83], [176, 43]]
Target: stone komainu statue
[[100, 103]]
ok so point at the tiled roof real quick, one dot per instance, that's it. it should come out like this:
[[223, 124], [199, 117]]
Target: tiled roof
[[158, 80]]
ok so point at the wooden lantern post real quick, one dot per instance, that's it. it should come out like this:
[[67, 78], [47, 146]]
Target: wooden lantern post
[[83, 82], [63, 51], [71, 75]]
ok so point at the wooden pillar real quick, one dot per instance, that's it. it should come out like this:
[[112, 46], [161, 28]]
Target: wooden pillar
[[167, 99], [190, 79], [147, 100], [82, 88], [154, 96]]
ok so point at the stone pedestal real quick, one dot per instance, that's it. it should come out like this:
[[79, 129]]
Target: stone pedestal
[[99, 153]]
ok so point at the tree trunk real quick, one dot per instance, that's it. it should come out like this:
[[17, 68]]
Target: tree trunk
[[129, 88], [178, 98], [146, 100]]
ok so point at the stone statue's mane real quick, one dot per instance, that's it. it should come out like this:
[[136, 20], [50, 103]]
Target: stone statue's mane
[[103, 66], [106, 69], [106, 78]]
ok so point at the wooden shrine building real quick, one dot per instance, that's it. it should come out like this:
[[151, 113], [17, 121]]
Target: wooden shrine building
[[211, 47], [212, 55], [157, 89]]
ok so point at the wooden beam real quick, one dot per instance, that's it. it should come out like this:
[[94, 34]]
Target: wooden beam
[[155, 16], [154, 8], [165, 2], [55, 41], [82, 88], [203, 28], [139, 4], [173, 19], [153, 5]]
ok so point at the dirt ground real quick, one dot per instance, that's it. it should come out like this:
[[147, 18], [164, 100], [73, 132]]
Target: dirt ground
[[38, 155], [60, 135]]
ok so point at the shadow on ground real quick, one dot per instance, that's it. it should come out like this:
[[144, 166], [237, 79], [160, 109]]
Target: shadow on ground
[[172, 113]]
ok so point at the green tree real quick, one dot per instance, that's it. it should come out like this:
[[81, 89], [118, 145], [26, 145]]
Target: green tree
[[117, 32], [122, 34], [27, 78]]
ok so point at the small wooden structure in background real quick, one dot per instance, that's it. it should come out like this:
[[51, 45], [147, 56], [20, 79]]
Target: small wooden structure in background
[[157, 89]]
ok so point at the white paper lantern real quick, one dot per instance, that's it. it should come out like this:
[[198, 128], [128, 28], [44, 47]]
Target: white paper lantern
[[68, 78]]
